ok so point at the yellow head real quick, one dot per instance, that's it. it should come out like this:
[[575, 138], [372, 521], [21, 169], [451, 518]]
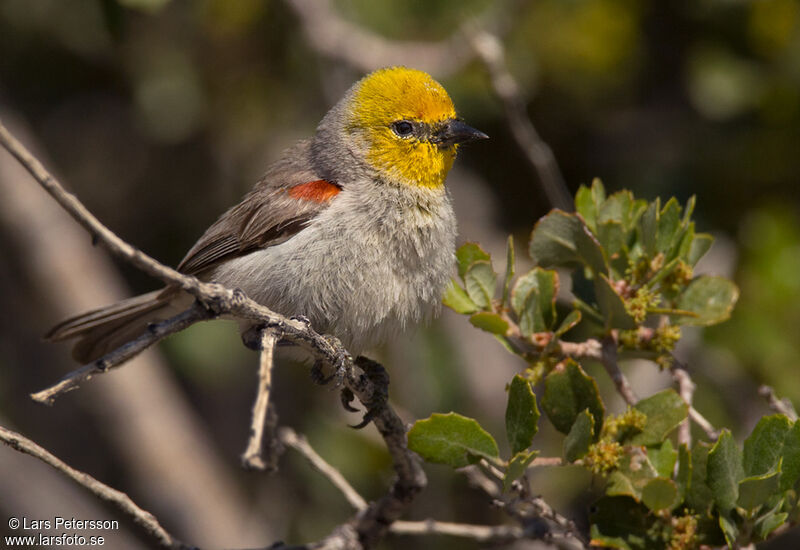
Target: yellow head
[[409, 125]]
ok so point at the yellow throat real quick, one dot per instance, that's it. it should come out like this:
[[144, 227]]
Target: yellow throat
[[386, 104]]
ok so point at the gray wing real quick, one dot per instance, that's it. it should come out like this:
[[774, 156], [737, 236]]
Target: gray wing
[[280, 205]]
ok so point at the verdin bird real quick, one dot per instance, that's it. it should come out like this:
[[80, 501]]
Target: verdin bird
[[352, 229]]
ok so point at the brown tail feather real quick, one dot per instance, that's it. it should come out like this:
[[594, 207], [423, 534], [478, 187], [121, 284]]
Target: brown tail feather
[[105, 329]]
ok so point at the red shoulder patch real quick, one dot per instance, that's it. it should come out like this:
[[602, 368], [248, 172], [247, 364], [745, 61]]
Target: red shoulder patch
[[317, 191]]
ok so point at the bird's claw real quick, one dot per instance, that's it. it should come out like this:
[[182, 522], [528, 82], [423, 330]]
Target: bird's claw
[[377, 375], [347, 398]]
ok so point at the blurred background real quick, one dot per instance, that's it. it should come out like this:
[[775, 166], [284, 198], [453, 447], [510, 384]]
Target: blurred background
[[160, 114]]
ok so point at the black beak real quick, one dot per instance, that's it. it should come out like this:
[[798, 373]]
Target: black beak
[[456, 132]]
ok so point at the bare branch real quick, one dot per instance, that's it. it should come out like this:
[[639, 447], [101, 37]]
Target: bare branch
[[540, 461], [143, 518], [539, 155], [155, 333], [589, 349], [333, 36], [374, 522], [98, 231], [252, 455], [478, 479], [292, 439], [479, 533], [570, 537], [711, 432], [686, 389], [609, 360], [537, 518], [782, 406]]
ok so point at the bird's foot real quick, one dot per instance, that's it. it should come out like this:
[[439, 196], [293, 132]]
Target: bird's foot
[[375, 375]]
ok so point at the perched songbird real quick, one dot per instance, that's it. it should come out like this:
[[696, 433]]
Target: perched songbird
[[352, 229]]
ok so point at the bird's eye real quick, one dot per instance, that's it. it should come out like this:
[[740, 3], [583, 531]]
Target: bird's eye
[[403, 128]]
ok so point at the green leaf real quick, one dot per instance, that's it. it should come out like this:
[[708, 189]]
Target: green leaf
[[669, 221], [648, 228], [687, 213], [469, 253], [490, 322], [562, 240], [533, 299], [569, 322], [729, 529], [700, 245], [664, 411], [767, 523], [457, 299], [724, 471], [522, 414], [615, 208], [660, 494], [480, 281], [755, 490], [791, 458], [663, 458], [568, 391], [451, 439], [517, 466], [612, 306], [634, 472], [764, 447], [588, 202], [685, 246], [510, 262], [611, 236], [699, 495], [711, 298], [580, 437]]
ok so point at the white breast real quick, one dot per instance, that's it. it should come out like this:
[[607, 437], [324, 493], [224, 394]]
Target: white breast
[[371, 265]]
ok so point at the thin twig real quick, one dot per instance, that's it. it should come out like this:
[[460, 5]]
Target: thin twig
[[252, 455], [491, 469], [292, 439], [480, 533], [143, 518], [81, 214], [609, 360], [115, 358], [686, 389], [528, 511], [333, 36], [570, 537], [589, 349], [711, 432], [373, 523], [539, 155], [540, 461], [782, 406], [478, 479]]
